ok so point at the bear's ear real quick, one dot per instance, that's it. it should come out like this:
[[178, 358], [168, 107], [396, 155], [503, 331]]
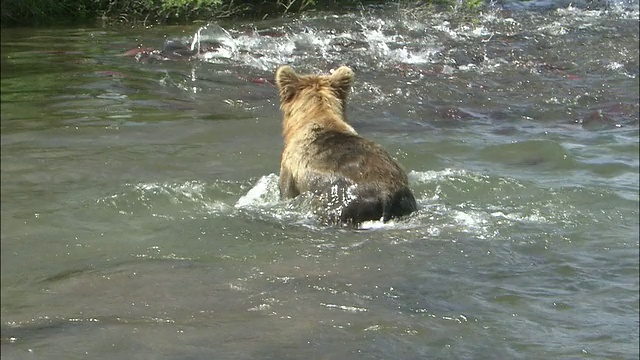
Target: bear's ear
[[341, 80], [287, 81]]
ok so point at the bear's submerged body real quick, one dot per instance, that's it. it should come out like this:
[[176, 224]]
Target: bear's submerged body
[[351, 179]]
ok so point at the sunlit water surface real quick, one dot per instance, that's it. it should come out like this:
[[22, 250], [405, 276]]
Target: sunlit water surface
[[141, 219]]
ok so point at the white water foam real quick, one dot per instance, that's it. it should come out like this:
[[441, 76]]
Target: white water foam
[[447, 174], [166, 200], [406, 40], [443, 208], [263, 194], [263, 198]]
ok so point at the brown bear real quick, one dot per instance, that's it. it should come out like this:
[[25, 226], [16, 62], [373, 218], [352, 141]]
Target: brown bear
[[350, 179]]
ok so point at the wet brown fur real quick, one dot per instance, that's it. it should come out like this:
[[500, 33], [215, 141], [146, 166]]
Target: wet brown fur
[[322, 152]]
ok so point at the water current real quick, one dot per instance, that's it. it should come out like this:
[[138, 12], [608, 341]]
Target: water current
[[141, 217]]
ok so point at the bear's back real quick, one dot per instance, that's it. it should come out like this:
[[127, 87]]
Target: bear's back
[[355, 158]]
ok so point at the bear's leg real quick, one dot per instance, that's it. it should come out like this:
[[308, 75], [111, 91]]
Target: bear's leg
[[287, 184], [400, 204]]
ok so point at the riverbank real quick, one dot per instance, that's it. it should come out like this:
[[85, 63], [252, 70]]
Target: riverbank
[[73, 12]]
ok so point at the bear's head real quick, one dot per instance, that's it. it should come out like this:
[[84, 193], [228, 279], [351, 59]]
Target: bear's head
[[313, 94]]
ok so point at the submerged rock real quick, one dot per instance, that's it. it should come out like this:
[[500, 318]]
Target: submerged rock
[[597, 120]]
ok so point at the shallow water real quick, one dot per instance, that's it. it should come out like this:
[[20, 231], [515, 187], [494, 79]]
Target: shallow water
[[140, 213]]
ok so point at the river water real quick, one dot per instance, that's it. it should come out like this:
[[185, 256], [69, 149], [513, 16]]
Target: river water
[[140, 213]]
